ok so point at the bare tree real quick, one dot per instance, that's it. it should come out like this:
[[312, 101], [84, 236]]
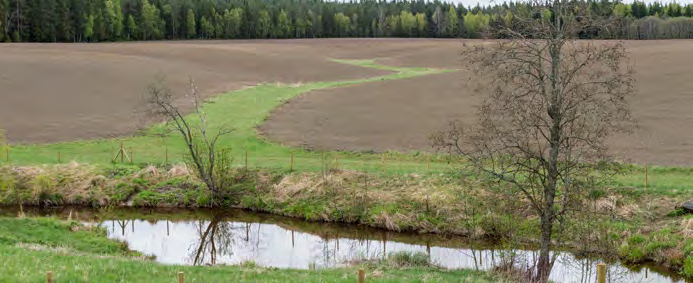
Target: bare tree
[[210, 164], [553, 100], [216, 238]]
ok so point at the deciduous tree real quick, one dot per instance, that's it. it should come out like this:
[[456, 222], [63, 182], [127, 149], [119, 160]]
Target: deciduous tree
[[552, 101]]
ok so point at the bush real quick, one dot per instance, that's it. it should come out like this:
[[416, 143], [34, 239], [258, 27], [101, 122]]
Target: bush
[[688, 267], [632, 253], [408, 259], [677, 212], [636, 239]]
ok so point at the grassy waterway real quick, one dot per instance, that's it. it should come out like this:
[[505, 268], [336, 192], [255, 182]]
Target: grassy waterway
[[231, 237]]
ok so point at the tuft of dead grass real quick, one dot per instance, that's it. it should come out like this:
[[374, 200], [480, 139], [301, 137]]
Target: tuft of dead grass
[[179, 170], [687, 228]]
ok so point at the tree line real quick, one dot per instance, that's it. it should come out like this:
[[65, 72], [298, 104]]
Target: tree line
[[123, 20]]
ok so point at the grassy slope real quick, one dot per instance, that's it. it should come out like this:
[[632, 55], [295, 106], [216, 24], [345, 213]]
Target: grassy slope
[[78, 256]]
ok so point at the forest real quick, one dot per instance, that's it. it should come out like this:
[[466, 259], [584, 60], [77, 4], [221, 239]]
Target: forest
[[127, 20]]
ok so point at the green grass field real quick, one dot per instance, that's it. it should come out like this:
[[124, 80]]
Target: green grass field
[[74, 254]]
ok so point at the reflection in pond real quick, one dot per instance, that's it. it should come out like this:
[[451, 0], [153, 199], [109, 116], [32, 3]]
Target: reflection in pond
[[231, 237]]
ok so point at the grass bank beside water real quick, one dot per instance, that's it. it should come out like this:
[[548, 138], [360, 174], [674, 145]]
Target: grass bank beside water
[[75, 253], [643, 224]]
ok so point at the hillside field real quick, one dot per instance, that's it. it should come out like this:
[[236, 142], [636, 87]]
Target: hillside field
[[69, 92]]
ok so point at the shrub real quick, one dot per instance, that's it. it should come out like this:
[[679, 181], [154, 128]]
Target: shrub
[[408, 259], [688, 267], [677, 212], [636, 239]]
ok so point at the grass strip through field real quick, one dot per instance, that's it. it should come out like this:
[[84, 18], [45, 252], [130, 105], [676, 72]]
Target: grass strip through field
[[244, 110], [247, 108], [32, 246]]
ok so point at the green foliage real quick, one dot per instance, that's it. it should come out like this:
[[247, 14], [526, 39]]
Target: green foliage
[[206, 28], [264, 24], [452, 22], [89, 27], [131, 27], [473, 23], [408, 259], [687, 269], [152, 23], [676, 212]]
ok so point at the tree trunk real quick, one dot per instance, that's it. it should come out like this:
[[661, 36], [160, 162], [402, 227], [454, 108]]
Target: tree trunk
[[547, 215], [544, 264]]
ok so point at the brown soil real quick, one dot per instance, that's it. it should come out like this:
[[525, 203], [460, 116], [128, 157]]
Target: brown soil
[[59, 92], [386, 115], [400, 115]]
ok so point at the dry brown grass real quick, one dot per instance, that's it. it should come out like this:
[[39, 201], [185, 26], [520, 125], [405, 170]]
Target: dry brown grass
[[687, 228], [72, 183]]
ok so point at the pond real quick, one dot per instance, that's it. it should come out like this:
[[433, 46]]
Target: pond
[[206, 237]]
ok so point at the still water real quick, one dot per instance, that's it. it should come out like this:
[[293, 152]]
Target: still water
[[204, 237]]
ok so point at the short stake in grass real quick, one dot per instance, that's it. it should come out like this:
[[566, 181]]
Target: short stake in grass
[[181, 278], [646, 180], [428, 164], [49, 277], [362, 276], [601, 273]]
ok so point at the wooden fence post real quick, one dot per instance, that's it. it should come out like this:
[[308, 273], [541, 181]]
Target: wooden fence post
[[646, 177], [362, 276], [427, 210], [58, 155], [49, 277], [292, 162], [181, 278], [601, 273], [428, 164], [132, 156], [122, 155]]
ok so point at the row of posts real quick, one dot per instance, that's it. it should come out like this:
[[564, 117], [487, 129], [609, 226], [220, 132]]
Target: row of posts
[[181, 277], [123, 154], [601, 275]]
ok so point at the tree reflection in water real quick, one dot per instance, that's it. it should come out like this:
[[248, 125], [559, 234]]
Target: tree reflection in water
[[216, 238]]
